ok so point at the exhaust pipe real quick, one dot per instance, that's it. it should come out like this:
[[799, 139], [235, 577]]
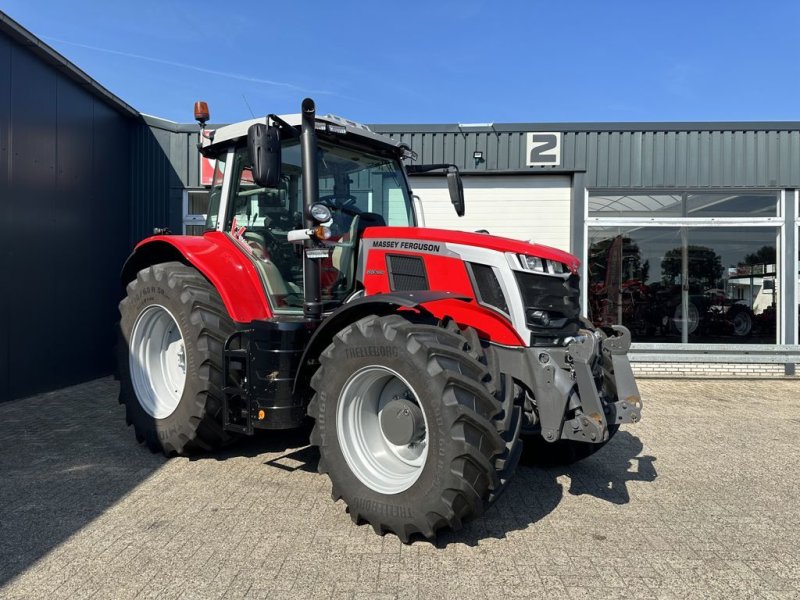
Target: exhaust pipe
[[312, 304]]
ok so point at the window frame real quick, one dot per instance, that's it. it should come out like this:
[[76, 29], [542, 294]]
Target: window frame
[[192, 219], [777, 222]]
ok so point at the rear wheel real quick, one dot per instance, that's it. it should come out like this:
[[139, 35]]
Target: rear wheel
[[741, 319], [172, 330], [415, 426], [692, 318]]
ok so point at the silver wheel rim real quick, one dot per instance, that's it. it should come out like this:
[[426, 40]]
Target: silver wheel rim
[[157, 361], [379, 464], [741, 323], [692, 322]]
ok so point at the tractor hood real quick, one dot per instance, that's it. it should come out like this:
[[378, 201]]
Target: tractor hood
[[465, 238]]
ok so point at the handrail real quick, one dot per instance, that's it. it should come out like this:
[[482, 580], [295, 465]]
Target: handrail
[[716, 353]]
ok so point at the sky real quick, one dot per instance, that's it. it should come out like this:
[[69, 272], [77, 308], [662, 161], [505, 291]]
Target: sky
[[448, 61]]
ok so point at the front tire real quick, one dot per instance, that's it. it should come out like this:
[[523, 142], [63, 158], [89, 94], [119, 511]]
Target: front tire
[[172, 330], [453, 445]]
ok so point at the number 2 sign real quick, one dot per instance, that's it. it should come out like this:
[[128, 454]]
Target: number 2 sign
[[544, 149]]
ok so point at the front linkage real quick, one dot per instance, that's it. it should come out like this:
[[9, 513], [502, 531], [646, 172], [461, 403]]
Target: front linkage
[[582, 391]]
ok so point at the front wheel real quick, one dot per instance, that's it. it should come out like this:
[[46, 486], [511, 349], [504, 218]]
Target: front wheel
[[415, 426]]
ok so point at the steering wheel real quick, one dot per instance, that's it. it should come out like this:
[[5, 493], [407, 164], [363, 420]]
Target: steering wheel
[[348, 206]]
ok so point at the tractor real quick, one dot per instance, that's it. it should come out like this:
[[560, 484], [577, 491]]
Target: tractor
[[424, 357]]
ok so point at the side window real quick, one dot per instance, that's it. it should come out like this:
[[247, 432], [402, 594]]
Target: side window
[[264, 218], [215, 194], [195, 211]]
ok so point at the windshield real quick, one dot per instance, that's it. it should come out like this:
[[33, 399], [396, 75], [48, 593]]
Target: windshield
[[362, 189]]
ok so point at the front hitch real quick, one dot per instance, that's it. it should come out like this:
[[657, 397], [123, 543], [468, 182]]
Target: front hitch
[[618, 379], [584, 389], [581, 391], [589, 423]]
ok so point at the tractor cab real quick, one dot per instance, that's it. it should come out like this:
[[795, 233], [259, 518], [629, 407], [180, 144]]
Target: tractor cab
[[360, 183]]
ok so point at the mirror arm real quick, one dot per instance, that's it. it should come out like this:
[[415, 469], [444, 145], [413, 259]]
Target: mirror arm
[[291, 131], [412, 169]]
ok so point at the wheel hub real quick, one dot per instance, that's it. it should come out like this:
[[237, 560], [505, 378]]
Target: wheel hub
[[382, 430], [402, 422]]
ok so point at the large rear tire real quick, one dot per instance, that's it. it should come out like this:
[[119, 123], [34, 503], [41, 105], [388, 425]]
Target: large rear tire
[[416, 427], [172, 330]]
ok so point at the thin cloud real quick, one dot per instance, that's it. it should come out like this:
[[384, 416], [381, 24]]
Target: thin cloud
[[172, 63]]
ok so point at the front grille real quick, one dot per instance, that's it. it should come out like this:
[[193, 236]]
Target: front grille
[[406, 273], [487, 288], [552, 305]]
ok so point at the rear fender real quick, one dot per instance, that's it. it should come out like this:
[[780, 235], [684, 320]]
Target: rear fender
[[219, 260]]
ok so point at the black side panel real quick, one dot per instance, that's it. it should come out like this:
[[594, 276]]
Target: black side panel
[[406, 273], [260, 366]]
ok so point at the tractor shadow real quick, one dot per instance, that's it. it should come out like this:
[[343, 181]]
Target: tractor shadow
[[536, 491], [533, 493], [291, 445]]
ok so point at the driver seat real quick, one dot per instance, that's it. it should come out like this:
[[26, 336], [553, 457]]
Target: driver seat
[[346, 250]]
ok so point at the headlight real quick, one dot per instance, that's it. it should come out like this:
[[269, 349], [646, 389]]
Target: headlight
[[532, 263], [541, 265], [320, 213]]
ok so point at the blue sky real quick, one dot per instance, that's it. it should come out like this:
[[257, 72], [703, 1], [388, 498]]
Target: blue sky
[[437, 61]]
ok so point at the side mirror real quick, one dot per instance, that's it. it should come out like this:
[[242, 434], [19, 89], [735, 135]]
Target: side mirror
[[456, 188], [264, 144]]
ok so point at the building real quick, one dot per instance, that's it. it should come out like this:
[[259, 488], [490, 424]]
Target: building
[[688, 231]]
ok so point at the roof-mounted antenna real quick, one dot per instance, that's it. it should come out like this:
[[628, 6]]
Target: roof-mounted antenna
[[252, 114]]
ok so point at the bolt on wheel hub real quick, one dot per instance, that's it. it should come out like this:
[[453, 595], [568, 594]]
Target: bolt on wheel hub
[[402, 422]]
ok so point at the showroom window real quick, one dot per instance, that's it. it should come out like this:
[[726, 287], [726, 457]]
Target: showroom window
[[195, 211], [685, 267]]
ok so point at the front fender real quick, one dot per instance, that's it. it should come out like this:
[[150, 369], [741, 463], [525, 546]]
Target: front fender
[[439, 304], [216, 256]]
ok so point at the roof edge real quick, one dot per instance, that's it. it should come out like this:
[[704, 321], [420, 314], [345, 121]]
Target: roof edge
[[584, 127], [27, 40]]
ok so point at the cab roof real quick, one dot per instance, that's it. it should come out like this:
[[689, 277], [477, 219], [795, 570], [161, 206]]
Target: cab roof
[[228, 134]]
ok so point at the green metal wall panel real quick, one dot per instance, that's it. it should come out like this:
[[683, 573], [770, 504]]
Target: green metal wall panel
[[736, 155], [612, 156]]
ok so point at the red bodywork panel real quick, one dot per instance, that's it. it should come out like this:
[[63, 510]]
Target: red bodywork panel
[[233, 275], [449, 273], [480, 240]]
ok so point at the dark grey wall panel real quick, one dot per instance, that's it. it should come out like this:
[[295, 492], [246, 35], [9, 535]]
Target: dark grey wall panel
[[164, 163], [5, 205], [64, 185]]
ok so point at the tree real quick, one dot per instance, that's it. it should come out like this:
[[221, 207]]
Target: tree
[[631, 267], [766, 255], [705, 266]]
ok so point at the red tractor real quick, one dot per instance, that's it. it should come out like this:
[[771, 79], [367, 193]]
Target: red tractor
[[422, 355]]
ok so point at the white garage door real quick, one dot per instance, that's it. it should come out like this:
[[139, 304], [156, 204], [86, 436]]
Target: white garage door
[[524, 208]]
